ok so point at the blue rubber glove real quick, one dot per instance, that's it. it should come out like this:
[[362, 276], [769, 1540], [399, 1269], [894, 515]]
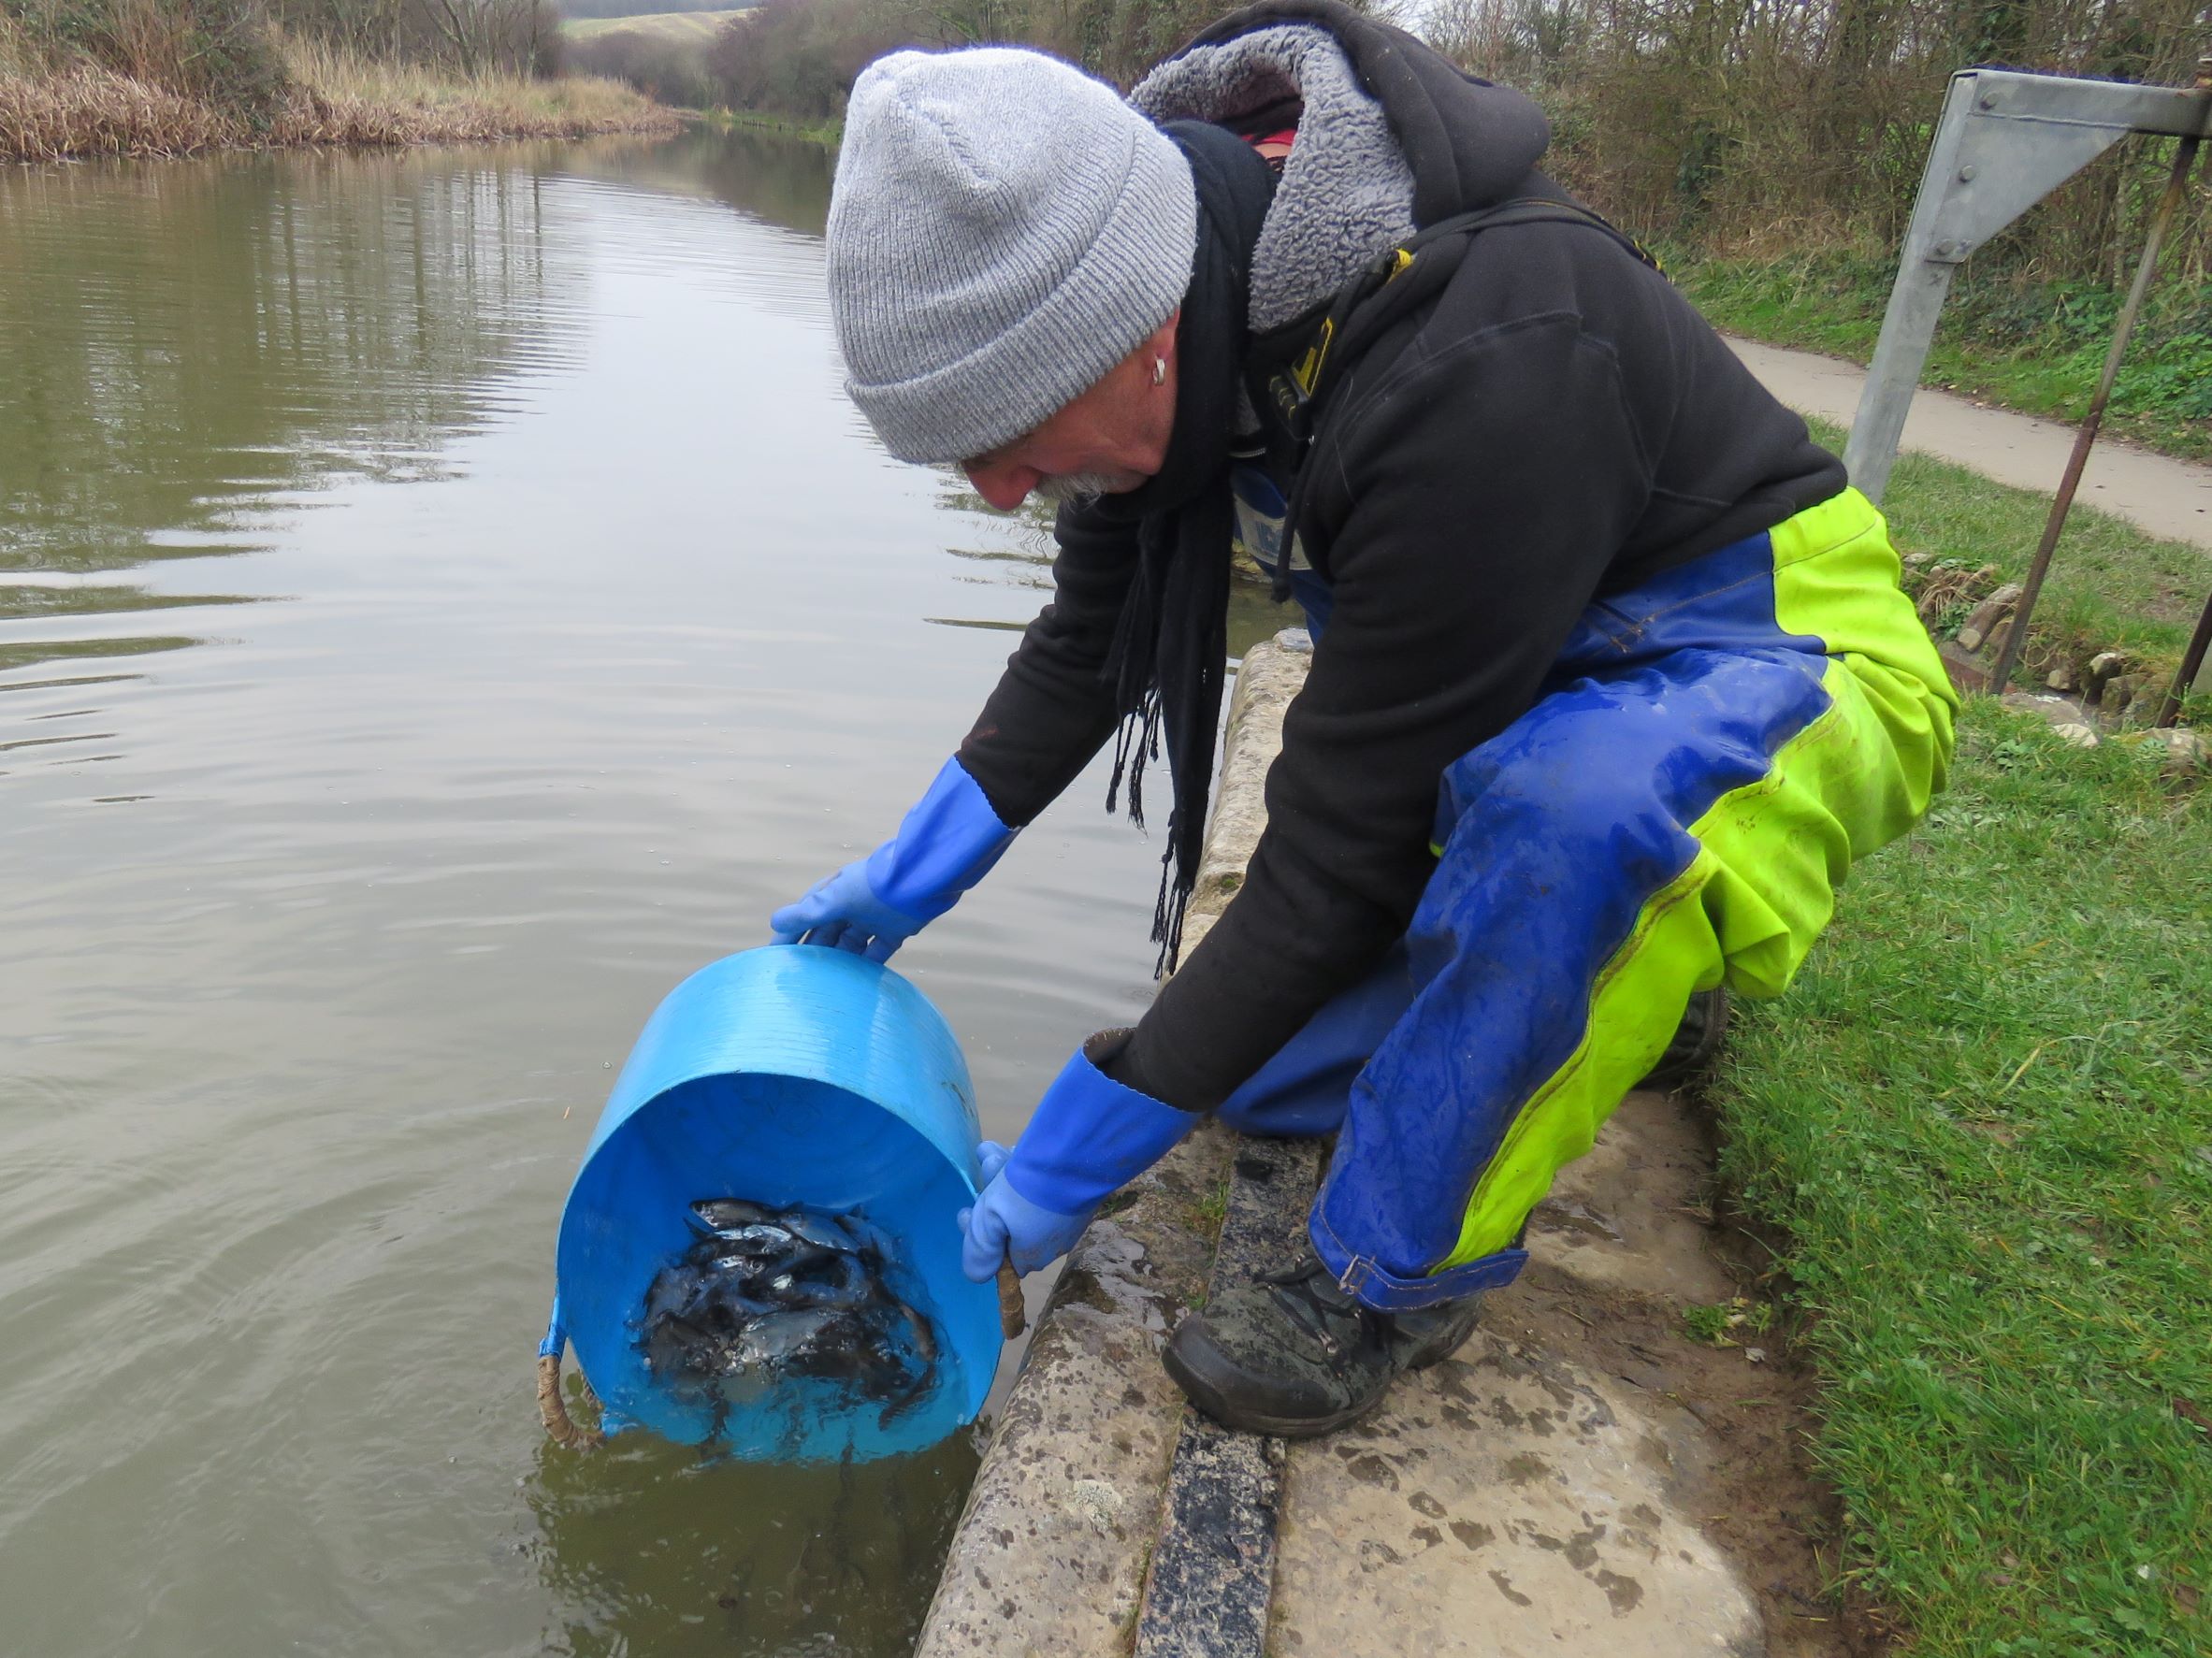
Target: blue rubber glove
[[1004, 1223], [872, 907], [1090, 1136]]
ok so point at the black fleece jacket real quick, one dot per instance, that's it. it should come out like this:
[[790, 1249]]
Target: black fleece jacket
[[1551, 422]]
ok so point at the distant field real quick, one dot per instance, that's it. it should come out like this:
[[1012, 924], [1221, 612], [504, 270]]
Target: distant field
[[695, 28]]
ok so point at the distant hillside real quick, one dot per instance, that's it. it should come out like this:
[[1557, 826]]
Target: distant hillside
[[690, 28], [575, 10]]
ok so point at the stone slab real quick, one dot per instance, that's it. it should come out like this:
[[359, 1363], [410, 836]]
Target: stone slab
[[1501, 1505], [1268, 678], [1626, 1216], [1213, 1569]]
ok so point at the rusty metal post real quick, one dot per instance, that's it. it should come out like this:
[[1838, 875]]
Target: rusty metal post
[[2192, 660], [2169, 201]]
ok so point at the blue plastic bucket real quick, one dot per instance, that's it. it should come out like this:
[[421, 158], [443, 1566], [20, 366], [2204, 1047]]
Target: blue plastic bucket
[[786, 1074]]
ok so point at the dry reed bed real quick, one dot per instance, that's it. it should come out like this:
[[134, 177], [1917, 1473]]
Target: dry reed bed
[[93, 112]]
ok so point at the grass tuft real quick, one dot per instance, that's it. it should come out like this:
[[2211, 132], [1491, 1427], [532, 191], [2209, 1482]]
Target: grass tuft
[[1984, 1117]]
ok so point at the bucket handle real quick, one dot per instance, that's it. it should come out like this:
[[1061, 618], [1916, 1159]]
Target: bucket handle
[[552, 1409], [1013, 1316]]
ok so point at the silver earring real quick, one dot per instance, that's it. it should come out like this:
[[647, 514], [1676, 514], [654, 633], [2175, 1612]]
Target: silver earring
[[1159, 371]]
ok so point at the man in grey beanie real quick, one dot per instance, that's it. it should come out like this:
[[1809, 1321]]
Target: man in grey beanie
[[1004, 231], [1592, 617]]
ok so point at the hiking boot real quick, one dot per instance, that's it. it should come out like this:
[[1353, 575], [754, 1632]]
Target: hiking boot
[[1293, 1355], [1696, 1043]]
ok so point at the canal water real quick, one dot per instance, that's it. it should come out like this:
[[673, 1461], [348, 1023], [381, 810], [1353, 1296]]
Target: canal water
[[444, 598]]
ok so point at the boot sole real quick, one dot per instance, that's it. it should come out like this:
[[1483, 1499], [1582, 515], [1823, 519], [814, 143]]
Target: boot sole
[[1207, 1398]]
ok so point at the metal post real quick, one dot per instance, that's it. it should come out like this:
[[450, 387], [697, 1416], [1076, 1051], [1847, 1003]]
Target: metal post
[[2192, 660], [2184, 158], [1924, 270], [2006, 141]]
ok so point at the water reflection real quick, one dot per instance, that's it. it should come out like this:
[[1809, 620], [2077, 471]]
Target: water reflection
[[783, 182], [186, 351]]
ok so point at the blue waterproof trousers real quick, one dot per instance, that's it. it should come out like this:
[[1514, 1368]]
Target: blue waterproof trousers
[[1711, 754]]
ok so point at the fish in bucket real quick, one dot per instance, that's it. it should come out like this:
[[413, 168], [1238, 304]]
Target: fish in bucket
[[760, 1250]]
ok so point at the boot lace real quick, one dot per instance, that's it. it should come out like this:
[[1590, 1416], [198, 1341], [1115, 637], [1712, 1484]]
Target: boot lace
[[1336, 1320]]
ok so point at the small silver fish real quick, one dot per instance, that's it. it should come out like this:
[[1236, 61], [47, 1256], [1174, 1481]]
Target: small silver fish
[[740, 1302], [925, 1339], [764, 1297], [720, 1213], [821, 1234], [761, 1239], [869, 1240]]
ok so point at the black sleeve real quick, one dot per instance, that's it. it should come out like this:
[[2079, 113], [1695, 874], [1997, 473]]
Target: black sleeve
[[1053, 707], [1479, 496]]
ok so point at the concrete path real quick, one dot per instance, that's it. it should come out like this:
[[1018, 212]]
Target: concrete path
[[2163, 497]]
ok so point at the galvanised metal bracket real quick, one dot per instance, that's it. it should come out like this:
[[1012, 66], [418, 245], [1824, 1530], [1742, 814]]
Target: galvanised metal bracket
[[2005, 142]]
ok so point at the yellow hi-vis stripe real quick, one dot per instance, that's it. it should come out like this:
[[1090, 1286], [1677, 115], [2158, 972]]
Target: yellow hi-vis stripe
[[1770, 854]]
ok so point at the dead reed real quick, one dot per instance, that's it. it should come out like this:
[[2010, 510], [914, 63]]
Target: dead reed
[[88, 111], [330, 98]]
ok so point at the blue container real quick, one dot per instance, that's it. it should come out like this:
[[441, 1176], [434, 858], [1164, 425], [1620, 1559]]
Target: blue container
[[788, 1075]]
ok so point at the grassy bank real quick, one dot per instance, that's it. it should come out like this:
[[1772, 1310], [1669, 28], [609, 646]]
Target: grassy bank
[[51, 111], [2030, 345], [1984, 1118]]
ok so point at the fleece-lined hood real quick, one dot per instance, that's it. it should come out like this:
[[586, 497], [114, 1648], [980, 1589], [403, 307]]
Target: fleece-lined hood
[[1392, 138]]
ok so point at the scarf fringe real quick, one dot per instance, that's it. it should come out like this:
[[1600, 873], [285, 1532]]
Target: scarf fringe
[[1169, 655], [1137, 742]]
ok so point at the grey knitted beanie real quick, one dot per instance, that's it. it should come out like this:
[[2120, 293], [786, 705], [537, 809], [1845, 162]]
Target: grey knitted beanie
[[1003, 231]]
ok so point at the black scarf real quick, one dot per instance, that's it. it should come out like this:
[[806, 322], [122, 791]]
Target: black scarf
[[1170, 651]]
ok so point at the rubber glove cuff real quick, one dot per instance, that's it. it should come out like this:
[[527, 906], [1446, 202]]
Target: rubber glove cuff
[[1091, 1135], [944, 846]]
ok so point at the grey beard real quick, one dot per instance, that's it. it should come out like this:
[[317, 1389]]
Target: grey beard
[[1077, 487]]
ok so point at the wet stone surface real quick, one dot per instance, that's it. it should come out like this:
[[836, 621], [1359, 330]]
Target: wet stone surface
[[765, 1295], [1502, 1502]]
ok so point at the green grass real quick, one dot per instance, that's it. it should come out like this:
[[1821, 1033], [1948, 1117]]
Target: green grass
[[2110, 587], [2034, 346], [1984, 1118], [683, 28]]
